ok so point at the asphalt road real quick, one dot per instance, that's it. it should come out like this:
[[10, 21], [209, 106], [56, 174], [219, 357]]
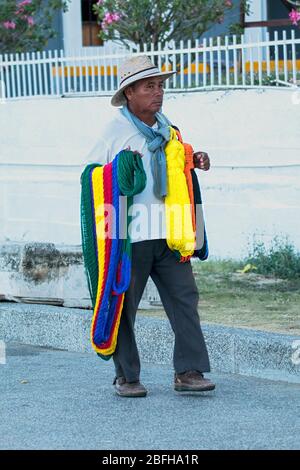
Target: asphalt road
[[52, 399]]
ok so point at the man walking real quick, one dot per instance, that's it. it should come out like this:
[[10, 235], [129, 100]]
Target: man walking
[[140, 126]]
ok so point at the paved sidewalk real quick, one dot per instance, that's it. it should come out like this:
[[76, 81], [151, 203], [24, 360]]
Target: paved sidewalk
[[68, 403]]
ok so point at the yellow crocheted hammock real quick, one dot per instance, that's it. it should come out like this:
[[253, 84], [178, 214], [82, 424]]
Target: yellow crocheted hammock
[[179, 219]]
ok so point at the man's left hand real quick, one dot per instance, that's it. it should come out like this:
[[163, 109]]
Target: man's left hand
[[201, 161]]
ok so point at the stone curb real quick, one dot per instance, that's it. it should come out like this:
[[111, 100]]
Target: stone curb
[[234, 350]]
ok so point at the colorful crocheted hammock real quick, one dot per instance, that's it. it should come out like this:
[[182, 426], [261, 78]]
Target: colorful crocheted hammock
[[106, 250], [106, 242]]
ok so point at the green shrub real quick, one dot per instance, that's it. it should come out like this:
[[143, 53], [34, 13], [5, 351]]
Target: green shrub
[[279, 260]]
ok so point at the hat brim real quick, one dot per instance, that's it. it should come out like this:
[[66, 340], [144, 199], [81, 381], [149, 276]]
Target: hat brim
[[119, 99]]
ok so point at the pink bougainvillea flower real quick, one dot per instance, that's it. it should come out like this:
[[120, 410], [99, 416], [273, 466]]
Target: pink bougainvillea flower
[[294, 16], [228, 3], [9, 25], [116, 16], [22, 5], [100, 2], [30, 20], [109, 18]]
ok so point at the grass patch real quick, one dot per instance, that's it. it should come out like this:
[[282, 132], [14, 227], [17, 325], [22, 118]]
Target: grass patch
[[234, 296], [247, 299]]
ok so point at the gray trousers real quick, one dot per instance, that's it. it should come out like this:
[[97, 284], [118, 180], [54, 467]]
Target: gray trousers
[[179, 294]]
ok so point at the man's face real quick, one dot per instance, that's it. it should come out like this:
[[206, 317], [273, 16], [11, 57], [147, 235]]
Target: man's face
[[146, 95]]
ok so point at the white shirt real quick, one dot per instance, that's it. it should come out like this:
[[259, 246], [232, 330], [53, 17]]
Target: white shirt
[[148, 211]]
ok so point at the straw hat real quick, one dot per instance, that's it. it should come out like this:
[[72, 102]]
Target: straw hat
[[131, 71]]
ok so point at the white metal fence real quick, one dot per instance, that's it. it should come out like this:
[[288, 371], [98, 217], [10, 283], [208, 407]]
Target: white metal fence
[[213, 63]]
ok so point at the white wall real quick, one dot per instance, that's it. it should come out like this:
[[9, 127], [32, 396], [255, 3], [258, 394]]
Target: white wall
[[258, 12], [72, 33], [72, 27], [252, 137]]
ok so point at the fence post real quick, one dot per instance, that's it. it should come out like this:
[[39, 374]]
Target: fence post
[[51, 74], [7, 75], [39, 72], [211, 62], [227, 61], [28, 73], [112, 86], [294, 64], [197, 63], [235, 61], [181, 65], [251, 65], [57, 84], [189, 45], [45, 71], [268, 53], [276, 56], [87, 76], [204, 44], [62, 67], [159, 56], [99, 68], [167, 64], [243, 59], [34, 63], [12, 76], [259, 60], [285, 65], [219, 58]]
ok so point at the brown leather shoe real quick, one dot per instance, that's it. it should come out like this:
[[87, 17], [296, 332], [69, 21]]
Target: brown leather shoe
[[192, 381], [129, 389]]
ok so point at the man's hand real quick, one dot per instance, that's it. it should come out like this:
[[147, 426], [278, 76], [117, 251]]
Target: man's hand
[[201, 161]]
